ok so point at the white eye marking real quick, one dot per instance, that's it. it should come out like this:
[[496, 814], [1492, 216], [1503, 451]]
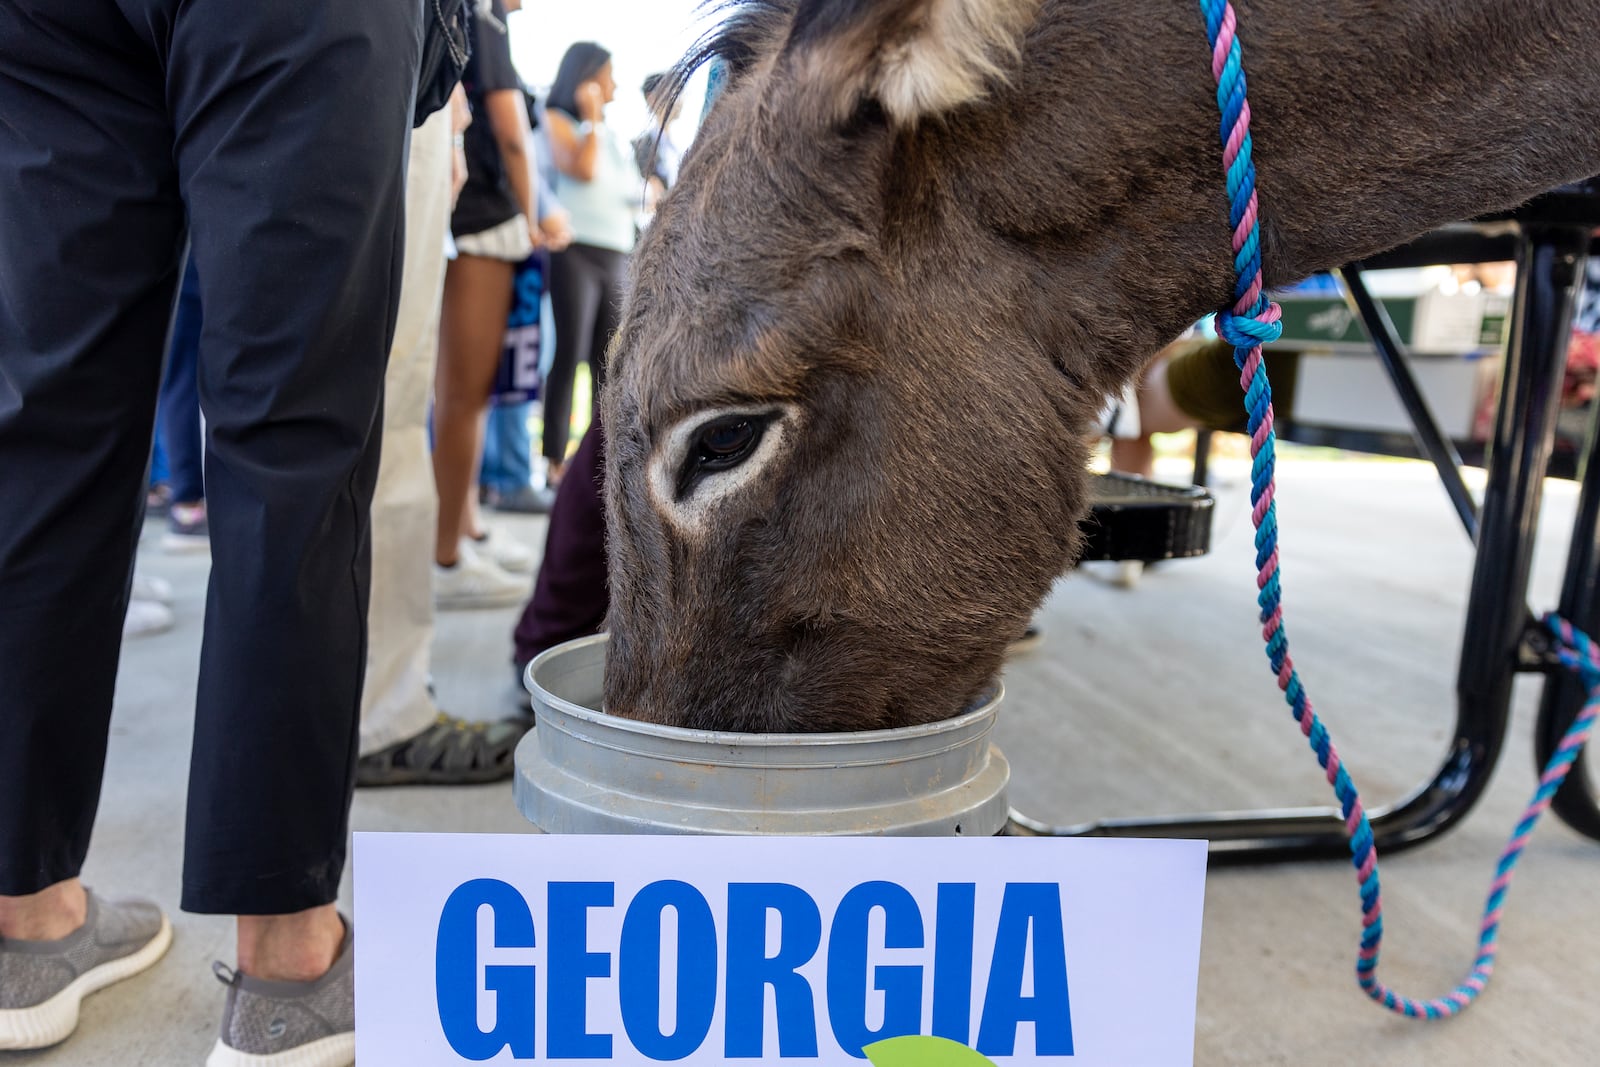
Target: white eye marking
[[711, 487]]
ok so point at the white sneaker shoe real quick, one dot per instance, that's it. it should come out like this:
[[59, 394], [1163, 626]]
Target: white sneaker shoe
[[156, 589], [146, 618], [475, 582], [511, 556]]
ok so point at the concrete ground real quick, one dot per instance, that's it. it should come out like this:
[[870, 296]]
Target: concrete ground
[[1143, 702]]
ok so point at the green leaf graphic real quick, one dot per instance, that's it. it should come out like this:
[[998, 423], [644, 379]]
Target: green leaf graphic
[[918, 1051]]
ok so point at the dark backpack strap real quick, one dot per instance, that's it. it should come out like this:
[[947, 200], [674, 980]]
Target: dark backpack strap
[[446, 46]]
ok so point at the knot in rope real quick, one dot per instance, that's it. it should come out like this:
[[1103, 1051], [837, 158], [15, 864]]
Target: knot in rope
[[1258, 326]]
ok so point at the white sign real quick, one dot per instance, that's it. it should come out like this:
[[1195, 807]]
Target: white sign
[[932, 952]]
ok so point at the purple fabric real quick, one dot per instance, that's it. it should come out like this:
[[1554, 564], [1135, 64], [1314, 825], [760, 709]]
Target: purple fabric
[[571, 595]]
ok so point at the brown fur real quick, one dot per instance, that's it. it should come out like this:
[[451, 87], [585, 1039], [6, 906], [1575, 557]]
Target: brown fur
[[948, 299]]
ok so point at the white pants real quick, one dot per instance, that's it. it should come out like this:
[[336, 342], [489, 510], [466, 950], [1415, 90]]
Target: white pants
[[395, 703]]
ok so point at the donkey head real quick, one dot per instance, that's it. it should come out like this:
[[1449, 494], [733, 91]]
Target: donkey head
[[849, 397]]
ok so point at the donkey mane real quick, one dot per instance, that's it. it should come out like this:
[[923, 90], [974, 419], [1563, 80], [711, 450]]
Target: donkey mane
[[745, 29]]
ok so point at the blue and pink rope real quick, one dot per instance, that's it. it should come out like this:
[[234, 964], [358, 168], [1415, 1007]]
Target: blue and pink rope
[[1250, 323]]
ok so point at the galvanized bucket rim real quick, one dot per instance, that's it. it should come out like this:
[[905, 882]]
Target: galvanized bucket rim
[[985, 708]]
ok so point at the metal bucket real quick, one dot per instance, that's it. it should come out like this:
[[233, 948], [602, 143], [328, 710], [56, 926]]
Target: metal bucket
[[584, 772]]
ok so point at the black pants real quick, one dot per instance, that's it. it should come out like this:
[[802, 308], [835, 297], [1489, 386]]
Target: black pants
[[586, 299], [278, 129]]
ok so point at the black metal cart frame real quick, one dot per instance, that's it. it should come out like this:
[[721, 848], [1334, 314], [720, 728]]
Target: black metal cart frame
[[1550, 240]]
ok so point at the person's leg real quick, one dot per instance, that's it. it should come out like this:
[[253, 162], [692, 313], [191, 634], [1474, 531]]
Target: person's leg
[[178, 410], [404, 738], [489, 473], [89, 267], [571, 594], [310, 182], [575, 301], [395, 703], [612, 269], [1194, 384], [506, 466], [1158, 411], [48, 915], [158, 495], [1197, 359], [507, 480], [178, 425], [1133, 455], [477, 299]]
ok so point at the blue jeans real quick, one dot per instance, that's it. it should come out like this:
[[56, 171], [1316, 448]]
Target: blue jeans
[[507, 449], [507, 445], [178, 406], [158, 462]]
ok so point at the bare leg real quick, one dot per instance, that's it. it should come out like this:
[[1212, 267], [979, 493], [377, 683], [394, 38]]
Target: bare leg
[[471, 520], [477, 300], [293, 948], [48, 915], [1157, 411], [1133, 455], [299, 947], [1157, 414], [296, 947]]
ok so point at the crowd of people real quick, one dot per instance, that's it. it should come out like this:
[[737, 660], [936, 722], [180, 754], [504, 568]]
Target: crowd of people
[[333, 413]]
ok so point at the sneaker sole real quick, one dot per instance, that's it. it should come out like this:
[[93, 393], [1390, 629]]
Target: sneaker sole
[[476, 601], [184, 545], [336, 1051], [53, 1021]]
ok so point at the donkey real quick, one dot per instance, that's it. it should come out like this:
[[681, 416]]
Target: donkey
[[915, 245]]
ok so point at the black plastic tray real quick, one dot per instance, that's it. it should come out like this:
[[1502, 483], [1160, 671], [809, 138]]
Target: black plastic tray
[[1135, 519]]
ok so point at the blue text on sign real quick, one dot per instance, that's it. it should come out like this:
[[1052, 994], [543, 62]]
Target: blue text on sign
[[1030, 924]]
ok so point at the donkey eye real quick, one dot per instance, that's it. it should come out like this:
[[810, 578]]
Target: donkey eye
[[726, 443], [720, 445]]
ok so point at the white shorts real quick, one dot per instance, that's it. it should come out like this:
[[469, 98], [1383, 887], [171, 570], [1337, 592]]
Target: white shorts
[[508, 241]]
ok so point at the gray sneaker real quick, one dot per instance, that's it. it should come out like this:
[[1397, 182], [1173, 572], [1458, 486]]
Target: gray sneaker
[[42, 983], [290, 1024]]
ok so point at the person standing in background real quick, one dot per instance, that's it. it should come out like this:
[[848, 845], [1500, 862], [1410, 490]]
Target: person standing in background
[[506, 477], [405, 738], [599, 185], [494, 230], [571, 594], [270, 137], [654, 150]]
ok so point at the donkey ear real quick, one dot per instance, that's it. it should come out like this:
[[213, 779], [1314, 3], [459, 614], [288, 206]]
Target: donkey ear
[[916, 58]]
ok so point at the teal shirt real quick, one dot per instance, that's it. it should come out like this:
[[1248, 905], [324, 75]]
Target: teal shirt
[[603, 210]]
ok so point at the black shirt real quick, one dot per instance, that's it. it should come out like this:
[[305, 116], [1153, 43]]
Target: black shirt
[[486, 200]]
